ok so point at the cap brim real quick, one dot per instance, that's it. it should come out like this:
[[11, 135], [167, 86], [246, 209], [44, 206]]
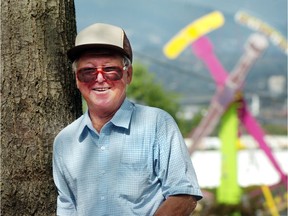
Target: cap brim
[[75, 52]]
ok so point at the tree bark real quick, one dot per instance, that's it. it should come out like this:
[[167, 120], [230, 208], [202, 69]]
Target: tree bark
[[38, 98]]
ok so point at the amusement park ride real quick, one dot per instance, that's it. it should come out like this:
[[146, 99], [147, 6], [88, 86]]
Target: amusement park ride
[[228, 103]]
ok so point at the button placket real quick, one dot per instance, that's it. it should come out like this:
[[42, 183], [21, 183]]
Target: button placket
[[103, 167]]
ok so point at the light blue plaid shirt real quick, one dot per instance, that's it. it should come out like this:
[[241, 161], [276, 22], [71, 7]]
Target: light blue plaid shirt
[[137, 160]]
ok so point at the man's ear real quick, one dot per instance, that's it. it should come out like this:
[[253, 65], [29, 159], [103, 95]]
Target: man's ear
[[77, 82], [129, 74]]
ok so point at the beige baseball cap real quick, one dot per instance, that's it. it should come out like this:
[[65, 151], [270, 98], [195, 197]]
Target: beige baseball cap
[[101, 36]]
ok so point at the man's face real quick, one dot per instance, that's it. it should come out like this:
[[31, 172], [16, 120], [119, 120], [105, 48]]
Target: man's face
[[103, 96]]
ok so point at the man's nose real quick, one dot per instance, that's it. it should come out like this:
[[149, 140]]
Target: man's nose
[[100, 77]]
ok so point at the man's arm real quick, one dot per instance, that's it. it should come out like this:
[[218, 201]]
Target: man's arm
[[177, 205]]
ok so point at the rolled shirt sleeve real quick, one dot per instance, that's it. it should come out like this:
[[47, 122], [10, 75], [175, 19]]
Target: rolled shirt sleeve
[[66, 203], [174, 166]]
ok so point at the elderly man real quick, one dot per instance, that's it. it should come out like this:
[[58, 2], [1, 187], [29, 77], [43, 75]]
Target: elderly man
[[119, 158]]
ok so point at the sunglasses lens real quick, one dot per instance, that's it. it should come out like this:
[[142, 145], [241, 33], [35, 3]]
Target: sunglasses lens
[[86, 75], [112, 76]]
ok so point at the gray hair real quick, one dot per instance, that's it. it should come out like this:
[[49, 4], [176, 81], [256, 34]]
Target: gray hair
[[126, 62]]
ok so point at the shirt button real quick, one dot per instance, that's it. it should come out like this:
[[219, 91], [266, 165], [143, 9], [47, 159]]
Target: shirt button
[[102, 172], [102, 148]]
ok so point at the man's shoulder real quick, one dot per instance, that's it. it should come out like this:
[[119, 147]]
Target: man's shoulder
[[150, 110], [72, 129]]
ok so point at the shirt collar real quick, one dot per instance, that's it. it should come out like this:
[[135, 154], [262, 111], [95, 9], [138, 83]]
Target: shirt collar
[[121, 118], [83, 126]]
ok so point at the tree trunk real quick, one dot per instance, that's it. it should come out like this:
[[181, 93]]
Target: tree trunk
[[38, 98]]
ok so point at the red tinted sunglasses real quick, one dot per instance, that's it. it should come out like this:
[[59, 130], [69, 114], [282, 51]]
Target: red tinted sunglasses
[[89, 74]]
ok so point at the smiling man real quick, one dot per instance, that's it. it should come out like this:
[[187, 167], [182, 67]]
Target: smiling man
[[119, 158]]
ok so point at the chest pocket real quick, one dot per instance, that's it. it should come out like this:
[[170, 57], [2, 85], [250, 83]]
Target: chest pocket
[[134, 154], [134, 173]]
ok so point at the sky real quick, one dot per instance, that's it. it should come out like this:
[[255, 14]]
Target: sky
[[135, 16]]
